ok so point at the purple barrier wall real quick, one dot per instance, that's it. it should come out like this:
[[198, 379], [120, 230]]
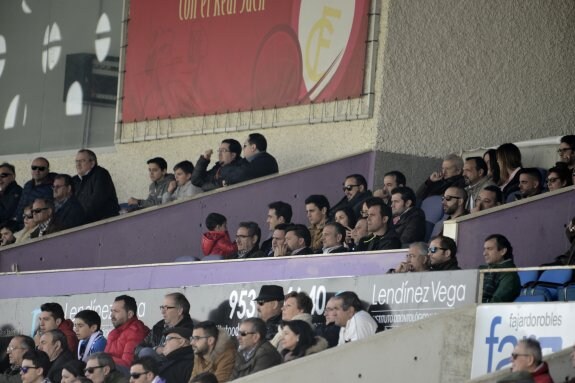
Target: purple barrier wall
[[164, 233], [534, 227], [32, 284]]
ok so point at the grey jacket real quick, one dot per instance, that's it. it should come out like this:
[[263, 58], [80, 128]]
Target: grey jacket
[[265, 356]]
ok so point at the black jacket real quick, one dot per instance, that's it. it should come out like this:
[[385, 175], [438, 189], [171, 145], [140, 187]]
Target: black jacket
[[69, 215], [272, 326], [388, 241], [447, 265], [55, 372], [97, 195], [355, 204], [156, 336], [213, 178], [429, 188], [411, 226], [9, 199], [261, 165], [178, 366]]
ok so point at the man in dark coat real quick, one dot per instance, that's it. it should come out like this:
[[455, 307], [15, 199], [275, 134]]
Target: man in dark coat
[[179, 355], [257, 161], [40, 186], [54, 344], [355, 190], [451, 175], [223, 172], [270, 301], [94, 188], [408, 219], [382, 236], [69, 212], [442, 254], [10, 192]]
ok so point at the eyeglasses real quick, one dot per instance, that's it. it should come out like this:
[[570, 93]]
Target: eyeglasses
[[223, 150], [27, 216], [10, 349], [162, 308], [261, 302], [39, 210], [515, 355], [4, 175], [40, 168], [433, 249], [349, 187], [169, 338], [449, 198], [197, 338], [24, 369], [90, 370], [245, 333], [551, 180], [563, 150], [136, 375]]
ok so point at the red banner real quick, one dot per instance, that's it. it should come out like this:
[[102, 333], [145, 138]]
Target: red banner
[[199, 57]]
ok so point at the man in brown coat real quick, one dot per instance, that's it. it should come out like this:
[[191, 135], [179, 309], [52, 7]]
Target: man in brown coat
[[214, 350]]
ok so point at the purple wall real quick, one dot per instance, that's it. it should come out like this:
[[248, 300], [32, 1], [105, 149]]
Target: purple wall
[[535, 229], [194, 274], [162, 234]]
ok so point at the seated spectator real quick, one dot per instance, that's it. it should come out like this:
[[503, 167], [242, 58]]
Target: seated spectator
[[43, 213], [128, 331], [509, 160], [359, 231], [346, 217], [566, 151], [355, 190], [178, 363], [558, 177], [145, 370], [248, 240], [355, 322], [100, 368], [391, 180], [527, 356], [40, 186], [29, 226], [453, 201], [91, 338], [442, 254], [333, 239], [279, 245], [489, 197], [329, 330], [35, 367], [255, 353], [214, 351], [568, 258], [408, 219], [382, 236], [158, 172], [257, 162], [476, 179], [216, 241], [317, 209], [68, 210], [175, 311], [72, 369], [298, 340], [296, 306], [54, 344], [530, 183], [52, 318], [499, 287], [298, 240], [417, 259], [204, 377], [490, 158], [7, 233], [10, 193], [438, 182], [16, 349], [182, 186], [94, 188], [224, 171], [279, 212], [270, 301]]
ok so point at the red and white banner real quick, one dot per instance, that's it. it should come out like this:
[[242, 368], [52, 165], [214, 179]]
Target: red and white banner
[[198, 57]]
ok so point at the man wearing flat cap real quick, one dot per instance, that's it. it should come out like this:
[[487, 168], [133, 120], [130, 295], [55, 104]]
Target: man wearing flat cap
[[179, 362], [270, 301]]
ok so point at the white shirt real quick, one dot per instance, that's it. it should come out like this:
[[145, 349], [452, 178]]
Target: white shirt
[[361, 325]]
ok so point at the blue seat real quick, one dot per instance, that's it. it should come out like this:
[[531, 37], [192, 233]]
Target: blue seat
[[531, 298], [566, 293], [549, 283], [433, 210], [528, 277]]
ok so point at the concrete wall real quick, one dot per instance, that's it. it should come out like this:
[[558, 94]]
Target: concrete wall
[[436, 350]]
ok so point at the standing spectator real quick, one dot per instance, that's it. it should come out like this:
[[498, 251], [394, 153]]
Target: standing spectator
[[182, 186], [509, 161], [279, 212], [229, 160], [316, 208], [91, 339], [298, 340], [438, 182], [476, 178], [216, 241], [257, 162], [94, 188], [128, 330], [29, 225], [499, 287], [69, 212], [40, 186], [10, 192], [355, 322], [355, 192], [255, 353], [158, 172], [527, 356], [248, 239], [214, 351]]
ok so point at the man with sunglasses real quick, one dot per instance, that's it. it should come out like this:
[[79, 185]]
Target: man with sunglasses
[[40, 186], [453, 201], [527, 356], [442, 254], [214, 351], [43, 214], [255, 353], [17, 347], [270, 301], [100, 368], [179, 354], [35, 366], [10, 192], [355, 192], [146, 370]]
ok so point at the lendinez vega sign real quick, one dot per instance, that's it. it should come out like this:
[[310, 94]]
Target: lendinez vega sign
[[499, 327]]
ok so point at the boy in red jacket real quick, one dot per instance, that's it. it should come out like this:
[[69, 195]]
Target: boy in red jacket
[[217, 240]]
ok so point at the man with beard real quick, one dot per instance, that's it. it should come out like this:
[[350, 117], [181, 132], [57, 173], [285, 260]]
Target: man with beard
[[453, 202], [214, 351], [355, 190], [476, 178], [408, 219]]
